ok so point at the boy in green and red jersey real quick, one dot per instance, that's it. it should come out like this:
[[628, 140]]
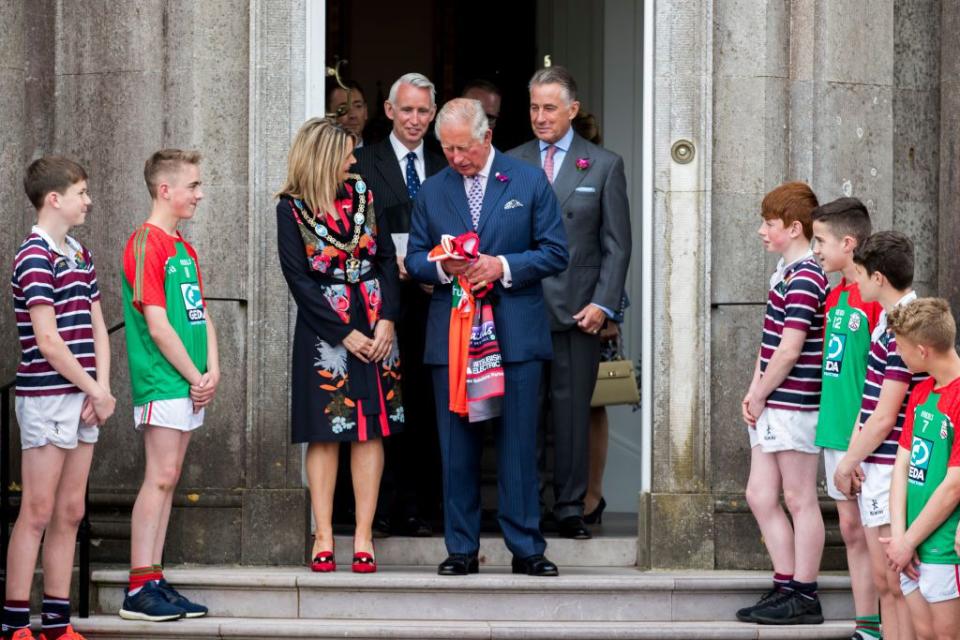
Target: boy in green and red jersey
[[925, 492], [174, 370], [839, 227]]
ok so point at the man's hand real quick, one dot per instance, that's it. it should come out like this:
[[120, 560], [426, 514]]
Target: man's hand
[[745, 409], [847, 479], [202, 393], [382, 341], [404, 276], [610, 331], [590, 319], [901, 556], [358, 344], [486, 270], [454, 267], [756, 406], [103, 405]]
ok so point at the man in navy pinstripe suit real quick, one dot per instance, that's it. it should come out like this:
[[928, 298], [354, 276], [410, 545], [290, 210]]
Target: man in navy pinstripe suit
[[514, 211]]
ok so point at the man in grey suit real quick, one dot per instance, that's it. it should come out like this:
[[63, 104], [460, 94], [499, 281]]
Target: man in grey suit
[[590, 186]]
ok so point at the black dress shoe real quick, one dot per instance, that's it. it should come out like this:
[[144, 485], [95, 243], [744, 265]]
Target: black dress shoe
[[381, 527], [573, 527], [415, 527], [534, 566], [458, 564]]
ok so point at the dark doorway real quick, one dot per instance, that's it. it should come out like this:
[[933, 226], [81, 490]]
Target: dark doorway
[[450, 42]]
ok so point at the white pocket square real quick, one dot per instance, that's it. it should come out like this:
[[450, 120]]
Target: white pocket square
[[513, 204], [586, 190]]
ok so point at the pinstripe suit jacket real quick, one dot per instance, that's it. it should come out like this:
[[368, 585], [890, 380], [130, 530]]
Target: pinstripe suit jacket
[[528, 233]]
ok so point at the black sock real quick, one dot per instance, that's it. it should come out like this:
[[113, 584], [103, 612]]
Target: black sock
[[16, 615], [54, 616], [805, 589]]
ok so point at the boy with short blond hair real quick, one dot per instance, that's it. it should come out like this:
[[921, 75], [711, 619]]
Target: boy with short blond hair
[[63, 394], [780, 409], [174, 370], [839, 227], [925, 490], [884, 267]]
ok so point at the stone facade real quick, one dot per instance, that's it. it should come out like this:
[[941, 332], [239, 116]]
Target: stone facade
[[859, 100]]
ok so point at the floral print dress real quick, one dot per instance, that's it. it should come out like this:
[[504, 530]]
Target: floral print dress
[[335, 396]]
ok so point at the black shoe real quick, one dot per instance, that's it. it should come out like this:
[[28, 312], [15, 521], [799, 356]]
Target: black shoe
[[381, 527], [459, 564], [746, 614], [536, 565], [415, 527], [596, 516], [795, 609], [574, 528]]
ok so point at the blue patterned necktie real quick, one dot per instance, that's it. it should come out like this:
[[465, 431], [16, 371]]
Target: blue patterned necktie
[[413, 179], [475, 199]]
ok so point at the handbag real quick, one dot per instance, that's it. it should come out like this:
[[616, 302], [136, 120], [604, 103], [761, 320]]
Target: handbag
[[616, 384]]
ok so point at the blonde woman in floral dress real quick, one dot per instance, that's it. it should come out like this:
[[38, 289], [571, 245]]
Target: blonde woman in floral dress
[[344, 279]]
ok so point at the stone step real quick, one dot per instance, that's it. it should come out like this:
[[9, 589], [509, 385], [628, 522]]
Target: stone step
[[113, 628], [606, 551], [411, 593]]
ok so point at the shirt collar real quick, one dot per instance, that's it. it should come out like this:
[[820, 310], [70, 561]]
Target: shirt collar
[[72, 246], [563, 144], [401, 151], [910, 297], [787, 268]]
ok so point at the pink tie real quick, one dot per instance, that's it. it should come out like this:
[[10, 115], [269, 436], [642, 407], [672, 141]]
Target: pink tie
[[548, 162]]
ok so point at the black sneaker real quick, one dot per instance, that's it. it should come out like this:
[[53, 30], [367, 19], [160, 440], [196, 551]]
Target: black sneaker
[[746, 614], [151, 604], [190, 609], [794, 609]]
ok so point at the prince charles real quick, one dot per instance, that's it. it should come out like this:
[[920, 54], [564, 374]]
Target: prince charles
[[513, 209]]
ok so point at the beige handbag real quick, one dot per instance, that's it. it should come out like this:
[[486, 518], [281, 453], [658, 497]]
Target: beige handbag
[[616, 384]]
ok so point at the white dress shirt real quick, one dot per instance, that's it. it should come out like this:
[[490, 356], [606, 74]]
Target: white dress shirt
[[401, 151], [484, 177]]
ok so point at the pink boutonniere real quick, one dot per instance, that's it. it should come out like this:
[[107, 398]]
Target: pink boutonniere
[[583, 164], [501, 177]]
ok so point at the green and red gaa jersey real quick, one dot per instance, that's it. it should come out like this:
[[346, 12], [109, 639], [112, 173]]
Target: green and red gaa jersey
[[846, 339], [929, 434], [162, 270]]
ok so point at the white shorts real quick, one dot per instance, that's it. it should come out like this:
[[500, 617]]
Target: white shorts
[[53, 420], [831, 459], [938, 582], [875, 494], [785, 430], [173, 414]]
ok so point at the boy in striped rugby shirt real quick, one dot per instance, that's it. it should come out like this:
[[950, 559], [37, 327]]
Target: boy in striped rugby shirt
[[780, 409], [925, 490], [885, 275], [63, 394]]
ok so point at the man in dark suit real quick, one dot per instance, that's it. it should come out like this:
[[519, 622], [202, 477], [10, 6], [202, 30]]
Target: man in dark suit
[[512, 208], [591, 188], [394, 169]]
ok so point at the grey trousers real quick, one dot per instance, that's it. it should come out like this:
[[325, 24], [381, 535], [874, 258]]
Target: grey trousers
[[565, 394]]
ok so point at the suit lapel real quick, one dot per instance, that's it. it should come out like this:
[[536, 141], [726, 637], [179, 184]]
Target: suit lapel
[[389, 170], [569, 176], [458, 198], [434, 163], [494, 191]]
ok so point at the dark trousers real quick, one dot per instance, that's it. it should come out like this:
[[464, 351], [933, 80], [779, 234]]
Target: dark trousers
[[411, 474], [461, 446], [565, 394]]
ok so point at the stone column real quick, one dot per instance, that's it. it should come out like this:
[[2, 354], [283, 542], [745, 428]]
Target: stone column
[[750, 144], [949, 233], [676, 519], [275, 491]]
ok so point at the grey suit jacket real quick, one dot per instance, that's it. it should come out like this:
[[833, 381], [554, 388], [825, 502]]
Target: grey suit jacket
[[596, 216]]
